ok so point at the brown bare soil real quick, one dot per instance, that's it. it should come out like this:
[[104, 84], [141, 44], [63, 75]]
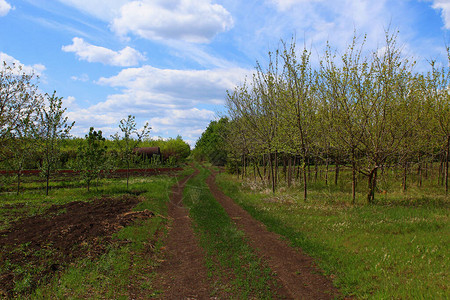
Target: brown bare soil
[[294, 269], [46, 244], [49, 243], [183, 274]]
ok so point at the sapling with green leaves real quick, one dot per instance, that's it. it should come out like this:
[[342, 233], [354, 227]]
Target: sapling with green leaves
[[436, 89], [298, 104], [53, 128], [390, 105], [127, 143], [91, 157], [19, 100], [22, 146]]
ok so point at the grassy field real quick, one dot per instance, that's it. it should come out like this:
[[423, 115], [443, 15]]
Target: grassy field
[[129, 258], [234, 267], [395, 249]]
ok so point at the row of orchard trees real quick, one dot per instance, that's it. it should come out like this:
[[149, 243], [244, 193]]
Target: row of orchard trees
[[29, 120], [34, 132], [366, 109]]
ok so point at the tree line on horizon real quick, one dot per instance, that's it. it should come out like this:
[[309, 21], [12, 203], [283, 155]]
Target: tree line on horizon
[[35, 134], [368, 110]]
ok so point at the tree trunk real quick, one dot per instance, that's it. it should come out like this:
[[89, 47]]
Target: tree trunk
[[305, 178], [326, 171], [419, 173], [264, 165], [47, 177], [447, 156], [128, 173], [259, 174], [309, 170], [305, 184], [405, 173], [242, 167], [289, 171], [316, 170], [244, 174], [336, 174], [19, 172], [372, 184], [353, 177], [276, 168], [272, 171]]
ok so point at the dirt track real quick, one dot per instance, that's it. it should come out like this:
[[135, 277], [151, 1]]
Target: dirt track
[[183, 273], [294, 269]]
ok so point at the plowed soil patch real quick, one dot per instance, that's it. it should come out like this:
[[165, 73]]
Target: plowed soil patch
[[35, 248]]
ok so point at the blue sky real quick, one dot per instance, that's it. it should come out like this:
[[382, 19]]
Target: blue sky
[[170, 62]]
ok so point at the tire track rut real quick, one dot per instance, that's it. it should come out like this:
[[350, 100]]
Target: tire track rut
[[294, 269], [183, 274]]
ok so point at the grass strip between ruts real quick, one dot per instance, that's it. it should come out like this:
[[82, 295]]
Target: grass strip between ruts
[[236, 270]]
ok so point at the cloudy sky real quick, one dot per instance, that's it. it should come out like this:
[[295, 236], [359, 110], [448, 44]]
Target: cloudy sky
[[170, 62]]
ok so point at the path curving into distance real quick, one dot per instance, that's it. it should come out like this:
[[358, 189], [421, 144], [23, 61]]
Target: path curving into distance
[[183, 274], [294, 269]]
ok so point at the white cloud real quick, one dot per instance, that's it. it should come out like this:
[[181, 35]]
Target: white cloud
[[177, 117], [85, 51], [198, 53], [284, 5], [195, 21], [83, 78], [187, 123], [101, 9], [179, 87], [320, 21], [444, 5], [169, 99], [165, 122], [5, 7], [70, 103], [37, 69]]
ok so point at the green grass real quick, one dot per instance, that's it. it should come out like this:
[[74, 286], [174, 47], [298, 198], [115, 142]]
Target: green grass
[[131, 260], [131, 257], [231, 262], [399, 249]]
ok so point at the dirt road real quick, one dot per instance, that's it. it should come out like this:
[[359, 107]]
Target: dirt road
[[295, 270], [183, 274]]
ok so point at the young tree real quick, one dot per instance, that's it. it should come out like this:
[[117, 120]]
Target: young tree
[[175, 149], [91, 156], [53, 128], [437, 93], [211, 144], [256, 107], [126, 142], [22, 146], [391, 106], [19, 100], [298, 104], [341, 108]]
